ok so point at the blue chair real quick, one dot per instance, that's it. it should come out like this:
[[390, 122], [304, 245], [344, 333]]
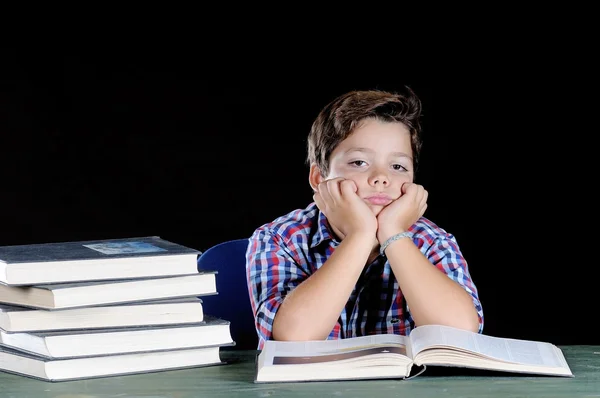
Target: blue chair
[[232, 301]]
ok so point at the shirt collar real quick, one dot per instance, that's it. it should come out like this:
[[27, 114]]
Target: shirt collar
[[322, 234]]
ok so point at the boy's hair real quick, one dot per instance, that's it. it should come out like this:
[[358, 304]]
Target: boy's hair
[[338, 119]]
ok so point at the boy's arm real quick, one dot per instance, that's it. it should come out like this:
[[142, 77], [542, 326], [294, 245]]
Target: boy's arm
[[297, 304], [288, 302], [443, 294], [311, 310]]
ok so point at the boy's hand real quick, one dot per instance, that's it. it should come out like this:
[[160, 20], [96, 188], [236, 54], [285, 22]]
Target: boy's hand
[[346, 212], [402, 213]]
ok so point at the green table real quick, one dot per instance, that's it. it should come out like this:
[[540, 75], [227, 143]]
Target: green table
[[235, 379]]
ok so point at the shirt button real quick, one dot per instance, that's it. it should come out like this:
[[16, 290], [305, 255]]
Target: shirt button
[[395, 320]]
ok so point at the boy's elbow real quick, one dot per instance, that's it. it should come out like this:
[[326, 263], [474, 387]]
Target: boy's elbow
[[469, 317], [283, 336], [472, 322], [292, 335], [468, 321], [283, 333], [473, 327]]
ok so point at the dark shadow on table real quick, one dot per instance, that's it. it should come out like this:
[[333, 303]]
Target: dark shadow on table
[[450, 371]]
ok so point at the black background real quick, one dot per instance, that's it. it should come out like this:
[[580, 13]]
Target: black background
[[199, 149]]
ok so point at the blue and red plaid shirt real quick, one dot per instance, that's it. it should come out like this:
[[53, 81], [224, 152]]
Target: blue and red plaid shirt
[[285, 252]]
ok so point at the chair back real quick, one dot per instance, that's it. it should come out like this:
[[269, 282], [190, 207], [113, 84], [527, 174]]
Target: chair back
[[232, 301]]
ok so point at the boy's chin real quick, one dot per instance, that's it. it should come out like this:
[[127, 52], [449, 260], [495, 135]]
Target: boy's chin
[[376, 209]]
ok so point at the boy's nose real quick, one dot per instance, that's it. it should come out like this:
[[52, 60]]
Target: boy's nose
[[380, 178]]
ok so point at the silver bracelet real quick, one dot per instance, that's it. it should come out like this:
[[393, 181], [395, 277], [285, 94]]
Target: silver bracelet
[[393, 239]]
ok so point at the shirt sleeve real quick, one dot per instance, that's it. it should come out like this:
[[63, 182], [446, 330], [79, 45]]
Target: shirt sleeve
[[271, 272], [447, 257]]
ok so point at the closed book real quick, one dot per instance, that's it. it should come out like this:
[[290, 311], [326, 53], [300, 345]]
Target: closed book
[[72, 344], [81, 261], [87, 294], [148, 313], [55, 370]]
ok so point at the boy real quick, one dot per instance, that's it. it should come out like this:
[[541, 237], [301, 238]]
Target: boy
[[361, 259]]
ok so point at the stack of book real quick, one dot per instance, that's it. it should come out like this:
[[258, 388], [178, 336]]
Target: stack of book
[[75, 310]]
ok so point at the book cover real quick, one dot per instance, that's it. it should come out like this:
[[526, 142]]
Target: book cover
[[65, 262], [87, 294], [56, 370], [95, 249], [111, 341], [149, 313]]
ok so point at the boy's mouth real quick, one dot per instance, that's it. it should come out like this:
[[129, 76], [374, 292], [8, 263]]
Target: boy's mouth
[[379, 200]]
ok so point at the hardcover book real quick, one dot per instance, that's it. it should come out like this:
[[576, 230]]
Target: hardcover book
[[21, 363], [87, 294], [98, 342], [81, 261], [147, 313], [394, 356]]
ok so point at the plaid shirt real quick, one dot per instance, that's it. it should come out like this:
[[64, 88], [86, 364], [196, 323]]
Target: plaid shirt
[[285, 252]]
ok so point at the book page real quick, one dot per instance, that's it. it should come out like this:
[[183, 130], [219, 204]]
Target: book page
[[301, 352], [524, 352]]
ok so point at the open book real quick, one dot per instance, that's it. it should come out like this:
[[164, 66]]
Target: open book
[[393, 356]]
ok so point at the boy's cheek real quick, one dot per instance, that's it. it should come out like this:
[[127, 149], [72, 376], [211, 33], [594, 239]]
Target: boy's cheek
[[357, 181]]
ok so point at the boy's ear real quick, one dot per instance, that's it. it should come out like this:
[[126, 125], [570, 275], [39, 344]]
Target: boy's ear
[[315, 177]]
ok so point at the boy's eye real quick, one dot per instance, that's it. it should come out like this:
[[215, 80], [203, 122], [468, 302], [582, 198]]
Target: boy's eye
[[358, 163], [399, 167]]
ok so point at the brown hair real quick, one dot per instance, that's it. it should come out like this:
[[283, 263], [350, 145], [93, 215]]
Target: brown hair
[[338, 119]]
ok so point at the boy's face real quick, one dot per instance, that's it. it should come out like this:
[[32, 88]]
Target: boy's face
[[377, 156]]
